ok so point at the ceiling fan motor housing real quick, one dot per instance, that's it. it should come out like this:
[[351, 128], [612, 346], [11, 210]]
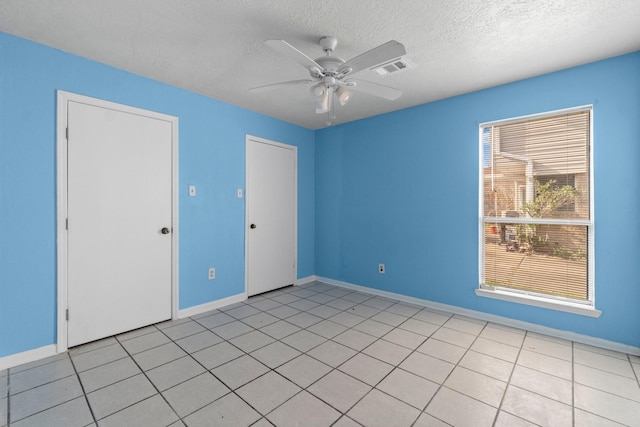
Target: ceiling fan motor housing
[[330, 64]]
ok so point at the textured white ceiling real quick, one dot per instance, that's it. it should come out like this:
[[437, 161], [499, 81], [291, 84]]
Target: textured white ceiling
[[215, 47]]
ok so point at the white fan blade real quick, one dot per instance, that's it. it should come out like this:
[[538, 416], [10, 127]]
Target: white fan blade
[[292, 53], [281, 84], [378, 55], [375, 89]]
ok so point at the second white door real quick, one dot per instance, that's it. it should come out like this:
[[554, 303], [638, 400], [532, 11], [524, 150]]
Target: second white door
[[271, 219]]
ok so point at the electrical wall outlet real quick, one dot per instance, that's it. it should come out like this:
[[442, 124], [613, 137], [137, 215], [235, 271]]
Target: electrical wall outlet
[[381, 268], [212, 273]]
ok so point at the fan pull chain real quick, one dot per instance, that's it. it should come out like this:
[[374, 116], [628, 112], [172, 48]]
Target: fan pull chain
[[332, 106]]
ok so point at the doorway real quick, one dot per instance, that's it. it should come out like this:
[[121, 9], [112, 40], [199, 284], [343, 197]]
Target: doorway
[[117, 218], [271, 215]]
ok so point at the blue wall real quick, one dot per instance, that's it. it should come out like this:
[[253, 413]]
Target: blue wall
[[402, 189], [212, 156]]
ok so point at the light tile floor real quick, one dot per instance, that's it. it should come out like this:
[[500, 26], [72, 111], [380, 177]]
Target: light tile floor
[[319, 355]]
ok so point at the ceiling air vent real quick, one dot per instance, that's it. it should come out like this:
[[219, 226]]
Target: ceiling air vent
[[395, 66]]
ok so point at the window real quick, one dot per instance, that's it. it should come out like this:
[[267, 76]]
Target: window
[[536, 222]]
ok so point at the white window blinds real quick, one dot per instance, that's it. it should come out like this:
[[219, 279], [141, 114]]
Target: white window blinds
[[536, 196]]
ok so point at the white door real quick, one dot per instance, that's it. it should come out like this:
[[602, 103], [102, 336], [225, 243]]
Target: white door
[[119, 200], [271, 197]]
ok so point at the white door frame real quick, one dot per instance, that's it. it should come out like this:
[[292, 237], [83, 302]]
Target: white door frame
[[63, 98], [248, 201]]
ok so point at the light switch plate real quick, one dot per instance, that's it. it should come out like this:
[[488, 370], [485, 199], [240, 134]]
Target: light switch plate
[[192, 191]]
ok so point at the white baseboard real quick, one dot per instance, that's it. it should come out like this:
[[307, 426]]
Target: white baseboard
[[213, 305], [27, 356], [305, 280], [533, 327]]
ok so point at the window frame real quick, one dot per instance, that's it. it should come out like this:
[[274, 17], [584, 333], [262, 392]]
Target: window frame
[[587, 307]]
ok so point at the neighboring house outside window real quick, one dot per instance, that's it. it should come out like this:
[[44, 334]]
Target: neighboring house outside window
[[536, 221]]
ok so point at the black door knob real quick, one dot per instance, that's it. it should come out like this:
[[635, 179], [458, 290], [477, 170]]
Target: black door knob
[[253, 226], [164, 230]]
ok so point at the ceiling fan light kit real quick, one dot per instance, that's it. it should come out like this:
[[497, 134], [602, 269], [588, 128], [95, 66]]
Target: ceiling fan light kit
[[343, 94], [328, 73], [319, 96]]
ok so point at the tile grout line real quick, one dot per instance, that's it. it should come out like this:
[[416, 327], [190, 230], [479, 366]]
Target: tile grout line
[[573, 383], [440, 386], [84, 394], [633, 370], [8, 397], [508, 382], [422, 411]]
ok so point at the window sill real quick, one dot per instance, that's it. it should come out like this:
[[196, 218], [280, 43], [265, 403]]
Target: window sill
[[539, 302]]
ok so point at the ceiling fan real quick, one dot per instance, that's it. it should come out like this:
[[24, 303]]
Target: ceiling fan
[[331, 76]]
